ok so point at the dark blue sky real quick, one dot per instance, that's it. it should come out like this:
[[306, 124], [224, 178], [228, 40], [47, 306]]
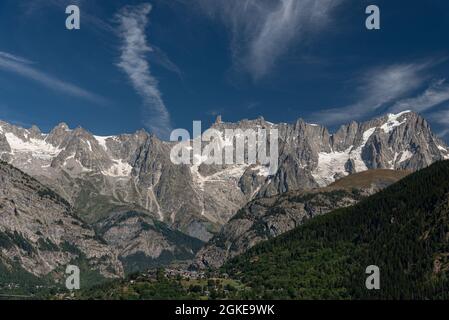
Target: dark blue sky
[[162, 64]]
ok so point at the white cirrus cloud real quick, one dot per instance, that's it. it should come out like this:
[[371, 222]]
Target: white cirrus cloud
[[90, 18], [11, 57], [436, 94], [263, 30], [133, 21], [378, 88], [441, 117], [25, 68]]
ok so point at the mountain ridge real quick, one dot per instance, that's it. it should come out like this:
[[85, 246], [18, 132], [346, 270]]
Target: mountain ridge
[[98, 174]]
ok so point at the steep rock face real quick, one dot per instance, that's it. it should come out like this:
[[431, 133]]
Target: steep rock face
[[39, 231], [142, 242], [168, 187], [100, 175], [401, 141], [265, 218]]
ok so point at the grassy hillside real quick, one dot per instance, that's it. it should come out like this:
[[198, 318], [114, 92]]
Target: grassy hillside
[[404, 230], [366, 179]]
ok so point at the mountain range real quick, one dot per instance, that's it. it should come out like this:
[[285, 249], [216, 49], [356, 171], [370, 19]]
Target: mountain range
[[147, 210]]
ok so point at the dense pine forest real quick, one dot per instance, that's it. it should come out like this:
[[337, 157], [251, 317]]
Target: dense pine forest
[[404, 230]]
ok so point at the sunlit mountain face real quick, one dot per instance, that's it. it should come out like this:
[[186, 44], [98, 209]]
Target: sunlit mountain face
[[156, 146]]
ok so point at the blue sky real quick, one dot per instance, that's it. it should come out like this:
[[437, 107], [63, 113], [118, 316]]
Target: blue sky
[[161, 64]]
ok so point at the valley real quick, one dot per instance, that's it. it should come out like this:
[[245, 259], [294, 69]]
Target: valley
[[118, 206], [402, 229]]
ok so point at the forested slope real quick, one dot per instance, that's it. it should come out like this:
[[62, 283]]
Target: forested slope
[[404, 230]]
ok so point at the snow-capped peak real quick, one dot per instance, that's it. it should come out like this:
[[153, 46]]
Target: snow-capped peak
[[393, 121], [37, 148]]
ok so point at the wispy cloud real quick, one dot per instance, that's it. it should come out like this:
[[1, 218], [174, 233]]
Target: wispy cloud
[[91, 18], [436, 94], [11, 57], [23, 67], [378, 88], [132, 23], [161, 58], [441, 118], [262, 31]]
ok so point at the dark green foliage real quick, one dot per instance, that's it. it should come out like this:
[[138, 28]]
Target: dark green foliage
[[50, 194], [68, 247], [8, 239], [145, 226], [186, 246], [122, 290], [404, 230], [178, 237], [158, 286], [5, 241], [139, 261], [24, 283], [47, 245], [129, 215]]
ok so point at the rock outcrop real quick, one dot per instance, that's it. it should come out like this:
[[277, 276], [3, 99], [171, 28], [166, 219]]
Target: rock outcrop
[[40, 232]]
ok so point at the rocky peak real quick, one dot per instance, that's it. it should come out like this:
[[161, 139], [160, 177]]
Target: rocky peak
[[35, 132], [58, 134]]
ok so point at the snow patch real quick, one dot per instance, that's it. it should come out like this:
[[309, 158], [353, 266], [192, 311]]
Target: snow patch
[[356, 154], [406, 155], [37, 148], [330, 164], [445, 151], [393, 122], [89, 145], [67, 159], [235, 172], [262, 171], [120, 168], [441, 148]]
